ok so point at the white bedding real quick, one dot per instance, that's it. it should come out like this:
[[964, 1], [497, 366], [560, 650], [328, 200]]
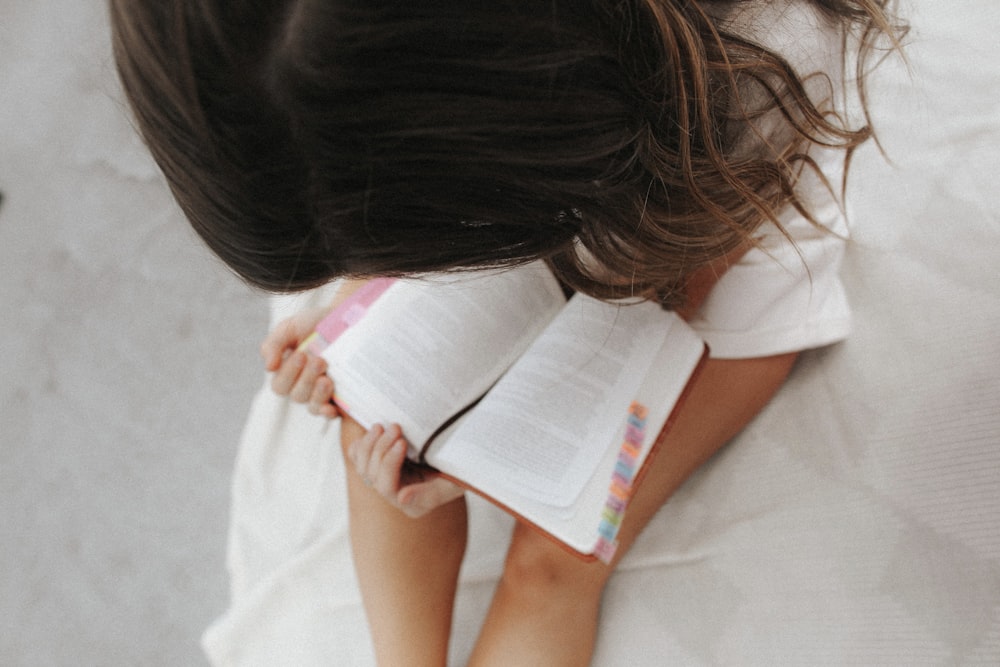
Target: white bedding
[[856, 521]]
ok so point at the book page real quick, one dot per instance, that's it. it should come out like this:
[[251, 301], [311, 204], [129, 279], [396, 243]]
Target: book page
[[542, 430], [664, 382], [427, 348]]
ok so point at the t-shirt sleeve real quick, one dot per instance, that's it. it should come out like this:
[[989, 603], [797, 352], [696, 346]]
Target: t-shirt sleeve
[[785, 295]]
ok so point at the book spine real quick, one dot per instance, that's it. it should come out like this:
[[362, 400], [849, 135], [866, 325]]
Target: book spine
[[621, 483]]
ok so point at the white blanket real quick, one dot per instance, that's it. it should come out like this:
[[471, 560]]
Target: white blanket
[[856, 521]]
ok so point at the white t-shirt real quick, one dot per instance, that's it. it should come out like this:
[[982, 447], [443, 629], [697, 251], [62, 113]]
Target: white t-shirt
[[785, 296]]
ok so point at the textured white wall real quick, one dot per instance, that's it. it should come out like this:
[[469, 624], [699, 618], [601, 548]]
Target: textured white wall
[[128, 361]]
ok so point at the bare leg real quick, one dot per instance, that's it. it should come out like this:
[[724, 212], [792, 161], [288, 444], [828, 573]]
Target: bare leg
[[545, 610], [407, 569]]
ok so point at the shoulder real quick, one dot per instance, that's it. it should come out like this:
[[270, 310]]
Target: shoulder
[[786, 294], [797, 29], [812, 44], [809, 40]]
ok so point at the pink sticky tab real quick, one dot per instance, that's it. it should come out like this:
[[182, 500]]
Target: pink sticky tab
[[615, 504], [341, 404], [352, 309], [634, 436], [354, 314], [605, 550], [314, 344]]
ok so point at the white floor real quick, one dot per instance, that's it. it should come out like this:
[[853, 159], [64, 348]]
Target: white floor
[[128, 362]]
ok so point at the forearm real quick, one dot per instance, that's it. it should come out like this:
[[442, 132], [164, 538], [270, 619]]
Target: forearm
[[725, 398], [546, 607], [407, 569]]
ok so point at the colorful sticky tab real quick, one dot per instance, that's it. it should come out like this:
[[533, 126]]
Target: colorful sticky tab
[[607, 531], [620, 492], [615, 503], [315, 344], [347, 314], [632, 449], [621, 483], [605, 550], [627, 457]]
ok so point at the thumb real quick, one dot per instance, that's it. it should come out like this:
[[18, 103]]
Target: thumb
[[420, 498], [287, 335]]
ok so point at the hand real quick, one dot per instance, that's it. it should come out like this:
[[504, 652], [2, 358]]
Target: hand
[[299, 375], [379, 457]]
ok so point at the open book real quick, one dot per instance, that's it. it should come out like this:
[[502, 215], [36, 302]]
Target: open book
[[547, 407]]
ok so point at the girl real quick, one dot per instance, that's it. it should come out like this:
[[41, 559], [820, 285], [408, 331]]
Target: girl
[[687, 152]]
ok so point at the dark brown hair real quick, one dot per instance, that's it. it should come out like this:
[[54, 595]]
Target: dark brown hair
[[311, 139]]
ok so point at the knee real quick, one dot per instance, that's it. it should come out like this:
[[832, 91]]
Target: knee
[[538, 570]]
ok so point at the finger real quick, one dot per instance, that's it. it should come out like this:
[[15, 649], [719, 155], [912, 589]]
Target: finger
[[418, 499], [328, 410], [303, 388], [383, 444], [386, 481], [280, 339], [285, 377], [381, 469], [360, 451], [320, 403]]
